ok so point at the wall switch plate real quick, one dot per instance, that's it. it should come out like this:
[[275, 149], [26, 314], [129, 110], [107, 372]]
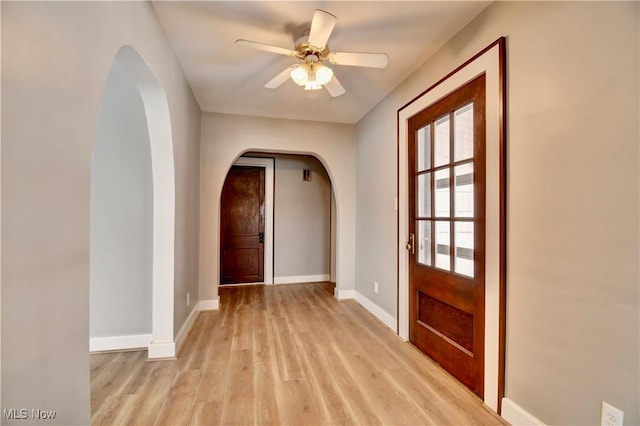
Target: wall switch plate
[[611, 416], [188, 299], [375, 286]]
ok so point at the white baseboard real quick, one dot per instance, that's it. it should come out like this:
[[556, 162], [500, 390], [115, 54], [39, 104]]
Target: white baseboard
[[517, 415], [157, 350], [384, 317], [202, 305], [162, 350], [301, 279], [119, 343], [186, 327], [344, 294], [209, 305]]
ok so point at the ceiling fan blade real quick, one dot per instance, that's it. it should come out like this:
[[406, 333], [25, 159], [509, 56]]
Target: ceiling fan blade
[[372, 60], [265, 47], [334, 87], [280, 79], [321, 27]]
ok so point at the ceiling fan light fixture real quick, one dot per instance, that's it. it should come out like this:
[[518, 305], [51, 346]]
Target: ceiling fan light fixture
[[312, 76], [324, 74], [313, 85], [312, 81], [299, 75]]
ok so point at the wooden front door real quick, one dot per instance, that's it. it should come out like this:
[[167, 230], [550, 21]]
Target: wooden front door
[[447, 232], [242, 226]]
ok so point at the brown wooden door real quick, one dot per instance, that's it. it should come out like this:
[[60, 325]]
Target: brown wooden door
[[447, 227], [242, 226]]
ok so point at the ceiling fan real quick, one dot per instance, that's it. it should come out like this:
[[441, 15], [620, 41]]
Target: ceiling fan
[[311, 49]]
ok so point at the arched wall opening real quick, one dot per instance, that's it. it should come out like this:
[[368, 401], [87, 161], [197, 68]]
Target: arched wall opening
[[121, 220], [225, 137], [333, 218], [148, 124], [298, 217]]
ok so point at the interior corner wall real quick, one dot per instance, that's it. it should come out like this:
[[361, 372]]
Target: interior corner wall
[[302, 234], [121, 236], [573, 200], [186, 157], [55, 60], [333, 226], [225, 137]]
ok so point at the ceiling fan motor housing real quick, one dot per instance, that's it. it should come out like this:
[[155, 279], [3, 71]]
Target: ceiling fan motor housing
[[308, 53]]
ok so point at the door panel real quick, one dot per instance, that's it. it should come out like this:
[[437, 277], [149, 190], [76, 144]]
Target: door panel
[[242, 226], [447, 223]]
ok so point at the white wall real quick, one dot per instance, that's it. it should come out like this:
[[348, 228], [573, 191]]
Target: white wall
[[55, 61], [302, 219], [121, 214], [573, 196], [225, 137]]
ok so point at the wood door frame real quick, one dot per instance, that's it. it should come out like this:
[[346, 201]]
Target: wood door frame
[[269, 166], [491, 61]]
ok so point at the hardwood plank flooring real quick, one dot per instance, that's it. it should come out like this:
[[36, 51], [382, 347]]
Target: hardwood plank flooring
[[283, 355]]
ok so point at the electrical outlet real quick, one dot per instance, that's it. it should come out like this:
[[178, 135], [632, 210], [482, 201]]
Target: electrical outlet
[[375, 286], [188, 299], [611, 416]]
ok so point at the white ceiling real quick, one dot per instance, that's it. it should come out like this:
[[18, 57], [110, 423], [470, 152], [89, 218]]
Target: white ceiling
[[230, 79]]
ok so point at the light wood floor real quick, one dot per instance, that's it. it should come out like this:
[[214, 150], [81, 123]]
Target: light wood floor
[[289, 355]]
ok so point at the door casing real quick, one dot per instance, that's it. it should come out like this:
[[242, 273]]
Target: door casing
[[268, 163], [492, 62]]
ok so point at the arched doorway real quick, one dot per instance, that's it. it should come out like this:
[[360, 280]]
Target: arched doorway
[[226, 137], [295, 212], [147, 166]]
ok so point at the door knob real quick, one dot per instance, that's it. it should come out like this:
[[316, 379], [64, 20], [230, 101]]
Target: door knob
[[411, 244], [261, 237]]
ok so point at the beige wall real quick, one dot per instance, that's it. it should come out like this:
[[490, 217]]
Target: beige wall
[[55, 61], [302, 213], [573, 193]]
